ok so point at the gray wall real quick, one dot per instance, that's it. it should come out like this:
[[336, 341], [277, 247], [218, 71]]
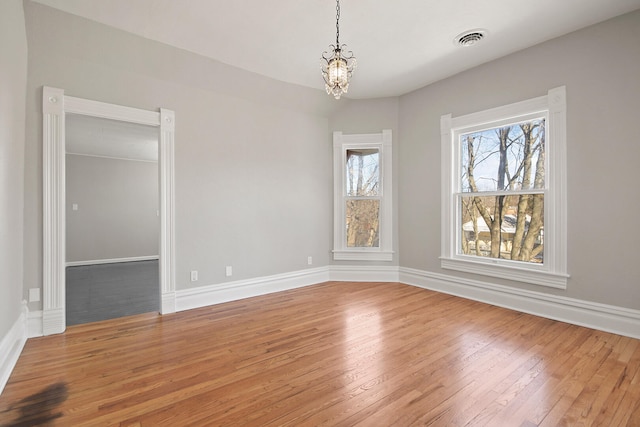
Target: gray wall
[[253, 155], [117, 204], [253, 174], [13, 72], [600, 67]]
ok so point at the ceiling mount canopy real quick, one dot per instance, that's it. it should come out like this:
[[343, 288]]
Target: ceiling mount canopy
[[337, 64]]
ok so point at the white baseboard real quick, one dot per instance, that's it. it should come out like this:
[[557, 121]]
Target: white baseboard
[[364, 273], [168, 302], [202, 296], [53, 321], [34, 324], [11, 346], [608, 318], [111, 260]]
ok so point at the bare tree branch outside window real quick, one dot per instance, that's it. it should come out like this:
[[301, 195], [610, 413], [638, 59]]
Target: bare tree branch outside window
[[502, 192], [363, 198]]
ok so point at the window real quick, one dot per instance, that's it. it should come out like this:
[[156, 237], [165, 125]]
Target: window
[[362, 196], [504, 185], [362, 199]]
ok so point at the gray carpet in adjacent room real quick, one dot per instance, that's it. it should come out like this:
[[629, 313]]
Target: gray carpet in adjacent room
[[106, 291]]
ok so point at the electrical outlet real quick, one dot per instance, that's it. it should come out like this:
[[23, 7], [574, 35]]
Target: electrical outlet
[[34, 294], [229, 270], [194, 275], [309, 260]]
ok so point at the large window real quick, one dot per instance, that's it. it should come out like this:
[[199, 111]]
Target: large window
[[504, 185], [362, 217]]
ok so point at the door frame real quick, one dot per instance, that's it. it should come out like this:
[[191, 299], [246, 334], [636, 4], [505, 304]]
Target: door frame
[[55, 104]]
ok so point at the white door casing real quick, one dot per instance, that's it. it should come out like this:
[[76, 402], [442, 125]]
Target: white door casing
[[55, 104]]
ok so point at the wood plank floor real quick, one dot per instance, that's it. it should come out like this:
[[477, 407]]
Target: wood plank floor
[[334, 354]]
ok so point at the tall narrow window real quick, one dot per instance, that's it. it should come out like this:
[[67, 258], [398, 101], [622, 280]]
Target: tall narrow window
[[363, 197], [504, 191], [362, 218]]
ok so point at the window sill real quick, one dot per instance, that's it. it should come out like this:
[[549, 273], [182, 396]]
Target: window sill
[[343, 255], [536, 277]]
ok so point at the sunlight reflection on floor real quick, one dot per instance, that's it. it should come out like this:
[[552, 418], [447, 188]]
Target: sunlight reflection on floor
[[364, 340], [499, 354]]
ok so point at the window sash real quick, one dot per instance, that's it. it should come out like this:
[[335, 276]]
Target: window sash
[[488, 147], [500, 193], [370, 176], [508, 233], [378, 149], [365, 231]]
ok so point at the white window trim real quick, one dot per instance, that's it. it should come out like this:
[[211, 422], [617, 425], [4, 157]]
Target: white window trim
[[553, 272], [383, 142]]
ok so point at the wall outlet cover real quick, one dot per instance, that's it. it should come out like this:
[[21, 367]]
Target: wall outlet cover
[[34, 294]]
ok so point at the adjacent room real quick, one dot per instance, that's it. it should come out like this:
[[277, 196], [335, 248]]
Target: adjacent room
[[111, 218], [213, 215]]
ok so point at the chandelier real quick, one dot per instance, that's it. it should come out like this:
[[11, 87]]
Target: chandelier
[[337, 64]]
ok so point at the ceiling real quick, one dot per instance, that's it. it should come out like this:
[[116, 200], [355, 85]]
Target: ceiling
[[400, 45]]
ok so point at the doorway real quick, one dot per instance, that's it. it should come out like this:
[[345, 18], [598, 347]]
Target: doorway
[[55, 105], [112, 219]]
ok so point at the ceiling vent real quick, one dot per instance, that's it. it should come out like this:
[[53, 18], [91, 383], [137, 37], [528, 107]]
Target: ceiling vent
[[470, 38]]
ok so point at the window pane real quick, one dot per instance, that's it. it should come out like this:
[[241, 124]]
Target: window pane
[[362, 223], [516, 234], [505, 158], [363, 172]]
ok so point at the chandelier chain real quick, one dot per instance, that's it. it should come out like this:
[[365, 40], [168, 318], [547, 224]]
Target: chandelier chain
[[338, 24]]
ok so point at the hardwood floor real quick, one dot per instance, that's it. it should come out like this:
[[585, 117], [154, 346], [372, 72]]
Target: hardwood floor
[[334, 354]]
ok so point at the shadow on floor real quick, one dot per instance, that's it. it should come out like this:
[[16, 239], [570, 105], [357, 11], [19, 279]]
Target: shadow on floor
[[39, 409]]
